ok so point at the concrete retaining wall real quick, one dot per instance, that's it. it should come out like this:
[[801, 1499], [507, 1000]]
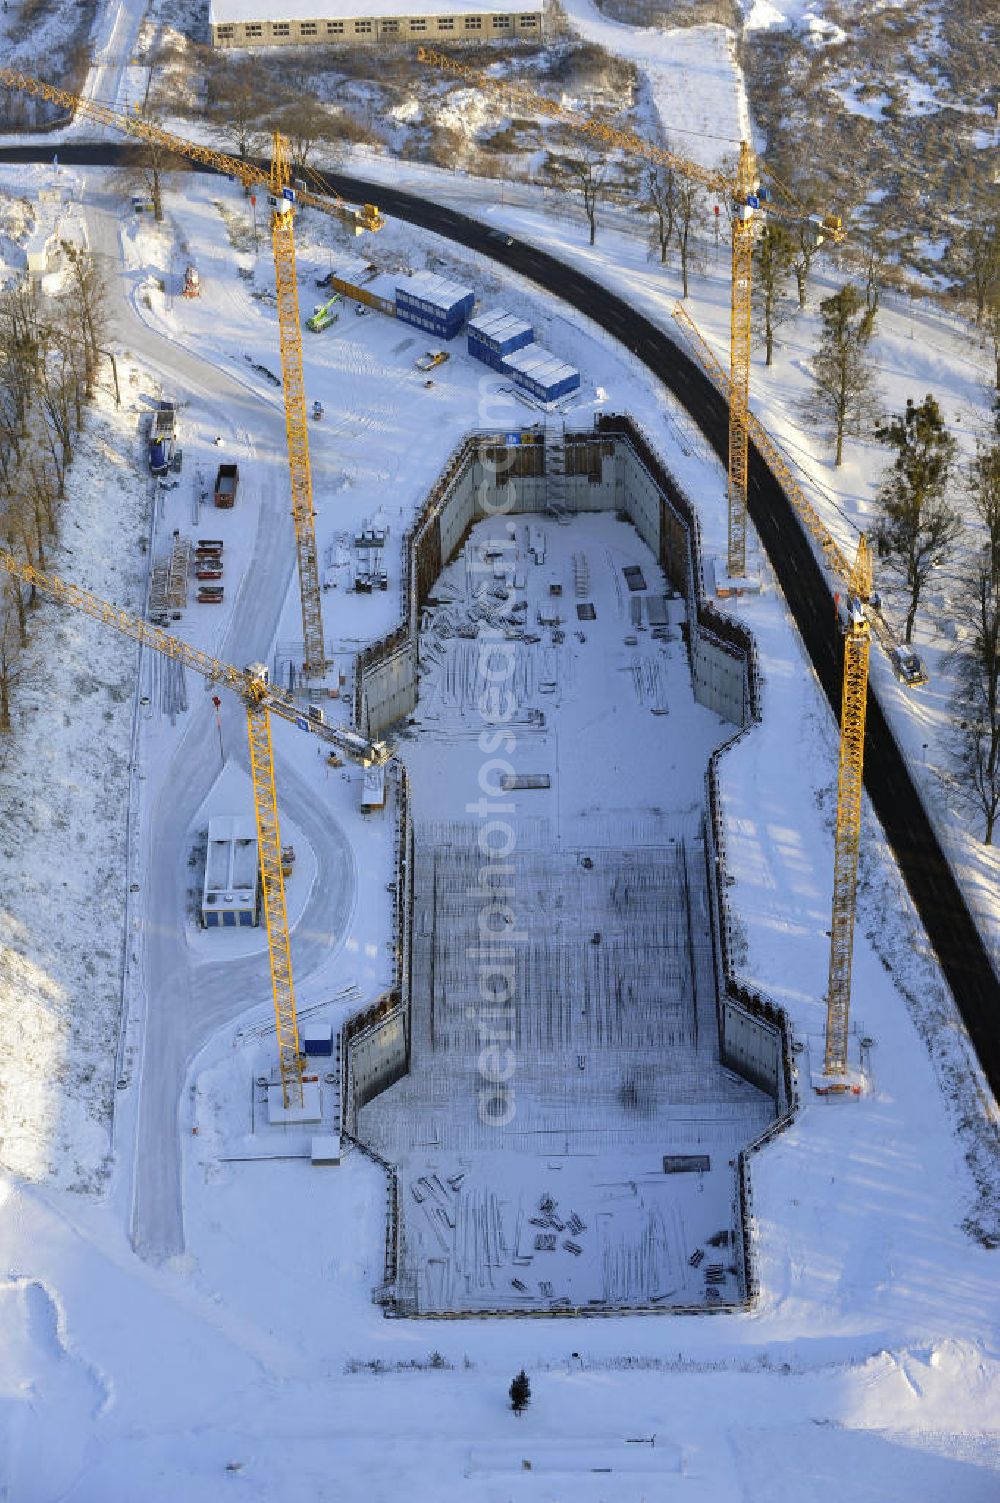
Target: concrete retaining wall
[[718, 675], [385, 685], [484, 477], [378, 1055], [751, 1046]]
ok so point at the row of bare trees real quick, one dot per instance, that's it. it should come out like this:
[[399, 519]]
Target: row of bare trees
[[248, 106], [49, 354]]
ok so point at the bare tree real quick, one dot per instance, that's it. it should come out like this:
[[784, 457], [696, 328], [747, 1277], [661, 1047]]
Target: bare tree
[[41, 491], [982, 264], [21, 340], [873, 258], [8, 662], [773, 254], [237, 90], [86, 307], [15, 592], [148, 162], [806, 249], [918, 522], [661, 188], [992, 322], [689, 204], [842, 371], [590, 181], [976, 701], [59, 393], [305, 122]]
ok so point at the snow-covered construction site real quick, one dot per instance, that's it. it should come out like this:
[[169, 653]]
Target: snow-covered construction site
[[568, 1133], [424, 873]]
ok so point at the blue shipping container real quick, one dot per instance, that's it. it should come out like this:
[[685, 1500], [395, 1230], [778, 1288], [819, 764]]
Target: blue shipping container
[[491, 336], [544, 375], [434, 303]]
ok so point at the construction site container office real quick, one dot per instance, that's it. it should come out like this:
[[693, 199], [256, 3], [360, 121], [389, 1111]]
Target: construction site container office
[[434, 303], [232, 873], [491, 336], [541, 373], [305, 23]]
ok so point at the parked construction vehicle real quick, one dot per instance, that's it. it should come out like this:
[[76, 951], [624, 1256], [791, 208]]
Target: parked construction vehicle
[[431, 359], [162, 437], [227, 479], [323, 315]]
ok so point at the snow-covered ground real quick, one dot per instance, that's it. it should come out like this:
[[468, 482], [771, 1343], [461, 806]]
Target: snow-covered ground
[[243, 1350], [693, 76], [874, 1348]]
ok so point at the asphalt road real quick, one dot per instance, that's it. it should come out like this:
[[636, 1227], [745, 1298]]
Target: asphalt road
[[942, 908]]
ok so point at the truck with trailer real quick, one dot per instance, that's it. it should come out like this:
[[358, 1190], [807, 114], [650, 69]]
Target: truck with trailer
[[227, 480], [162, 437]]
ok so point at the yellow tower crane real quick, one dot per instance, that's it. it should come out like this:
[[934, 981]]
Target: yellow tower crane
[[854, 704], [282, 198], [856, 578], [744, 195], [261, 701]]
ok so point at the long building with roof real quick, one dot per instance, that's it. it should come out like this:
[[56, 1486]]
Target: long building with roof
[[304, 23]]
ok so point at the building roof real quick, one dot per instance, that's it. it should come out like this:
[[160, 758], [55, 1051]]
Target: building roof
[[384, 285], [223, 12], [440, 292], [231, 862]]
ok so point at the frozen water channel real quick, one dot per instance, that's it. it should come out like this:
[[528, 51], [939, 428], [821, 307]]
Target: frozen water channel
[[564, 1052]]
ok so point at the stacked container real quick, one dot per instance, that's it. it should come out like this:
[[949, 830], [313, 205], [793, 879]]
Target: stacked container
[[495, 335], [434, 303], [543, 375]]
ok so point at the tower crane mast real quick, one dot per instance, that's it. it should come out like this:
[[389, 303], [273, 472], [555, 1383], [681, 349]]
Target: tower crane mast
[[741, 190], [282, 200], [261, 702]]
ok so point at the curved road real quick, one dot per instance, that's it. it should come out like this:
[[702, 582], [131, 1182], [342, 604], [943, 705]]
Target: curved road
[[931, 882], [187, 998]]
